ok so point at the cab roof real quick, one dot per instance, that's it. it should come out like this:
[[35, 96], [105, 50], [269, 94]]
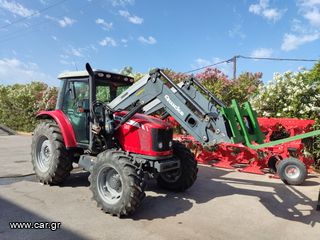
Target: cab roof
[[74, 74], [99, 75]]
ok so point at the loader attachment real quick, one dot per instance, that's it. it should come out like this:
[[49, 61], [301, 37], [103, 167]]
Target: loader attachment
[[242, 123], [243, 127]]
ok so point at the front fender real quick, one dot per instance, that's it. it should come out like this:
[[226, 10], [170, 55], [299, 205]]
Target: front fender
[[64, 125]]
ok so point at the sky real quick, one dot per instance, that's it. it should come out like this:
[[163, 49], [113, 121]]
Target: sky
[[41, 38]]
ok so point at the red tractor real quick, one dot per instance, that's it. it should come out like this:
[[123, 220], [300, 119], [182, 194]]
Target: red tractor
[[117, 147]]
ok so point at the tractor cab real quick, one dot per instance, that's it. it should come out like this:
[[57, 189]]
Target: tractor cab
[[78, 91]]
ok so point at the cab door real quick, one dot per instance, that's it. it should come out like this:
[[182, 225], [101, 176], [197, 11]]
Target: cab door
[[76, 107]]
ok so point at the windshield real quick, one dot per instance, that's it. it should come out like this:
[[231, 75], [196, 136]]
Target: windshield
[[106, 93]]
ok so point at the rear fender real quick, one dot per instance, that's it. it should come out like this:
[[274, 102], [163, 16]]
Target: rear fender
[[64, 125]]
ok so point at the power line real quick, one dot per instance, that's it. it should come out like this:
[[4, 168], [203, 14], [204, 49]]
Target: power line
[[211, 65], [14, 36], [234, 61], [27, 29], [278, 59], [267, 58], [33, 14]]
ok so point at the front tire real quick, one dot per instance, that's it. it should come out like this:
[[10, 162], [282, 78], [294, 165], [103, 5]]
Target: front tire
[[183, 178], [117, 183], [50, 159]]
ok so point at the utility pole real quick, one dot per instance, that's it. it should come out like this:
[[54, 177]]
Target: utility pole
[[234, 60]]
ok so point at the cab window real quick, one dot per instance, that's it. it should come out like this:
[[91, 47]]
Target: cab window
[[76, 92]]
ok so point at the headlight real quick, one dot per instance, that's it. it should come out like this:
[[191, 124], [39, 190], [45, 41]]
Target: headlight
[[170, 144], [160, 145]]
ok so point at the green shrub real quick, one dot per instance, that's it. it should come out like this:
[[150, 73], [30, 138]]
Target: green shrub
[[288, 95], [20, 103]]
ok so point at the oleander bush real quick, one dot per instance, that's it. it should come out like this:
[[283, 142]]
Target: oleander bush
[[222, 86], [19, 104], [290, 94]]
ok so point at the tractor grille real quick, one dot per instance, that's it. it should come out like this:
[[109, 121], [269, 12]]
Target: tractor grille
[[161, 139]]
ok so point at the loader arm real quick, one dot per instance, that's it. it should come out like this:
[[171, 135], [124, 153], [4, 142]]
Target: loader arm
[[188, 87], [197, 115]]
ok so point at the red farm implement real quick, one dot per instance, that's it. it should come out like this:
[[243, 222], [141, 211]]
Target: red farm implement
[[229, 155], [258, 161]]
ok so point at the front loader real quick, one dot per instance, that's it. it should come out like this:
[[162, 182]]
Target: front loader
[[209, 121]]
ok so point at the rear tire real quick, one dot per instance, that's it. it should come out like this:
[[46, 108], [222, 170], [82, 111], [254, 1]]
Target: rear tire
[[292, 171], [50, 159], [117, 183], [183, 178]]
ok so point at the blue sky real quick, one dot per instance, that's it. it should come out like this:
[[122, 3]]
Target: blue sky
[[42, 38]]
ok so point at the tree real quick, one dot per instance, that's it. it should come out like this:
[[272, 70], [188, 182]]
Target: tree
[[128, 71], [245, 86], [225, 89]]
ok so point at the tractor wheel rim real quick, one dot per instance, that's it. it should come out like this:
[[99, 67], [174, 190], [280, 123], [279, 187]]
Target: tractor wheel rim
[[44, 152], [292, 171], [110, 185], [171, 176]]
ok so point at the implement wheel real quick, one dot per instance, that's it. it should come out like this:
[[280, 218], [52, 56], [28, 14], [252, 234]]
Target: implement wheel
[[181, 179], [117, 183], [292, 171]]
